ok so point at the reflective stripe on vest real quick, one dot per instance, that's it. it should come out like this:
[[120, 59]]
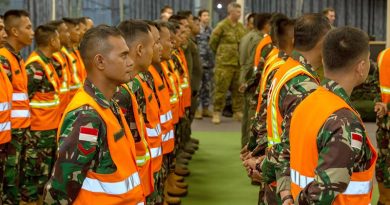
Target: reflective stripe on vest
[[19, 96], [154, 132], [141, 160], [74, 72], [166, 117], [121, 187], [155, 152], [45, 104], [354, 187], [20, 113], [167, 136], [5, 126], [385, 90], [64, 84], [5, 106], [275, 138]]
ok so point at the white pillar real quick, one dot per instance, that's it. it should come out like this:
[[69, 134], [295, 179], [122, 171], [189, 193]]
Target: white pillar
[[388, 24], [242, 3], [121, 10], [53, 9]]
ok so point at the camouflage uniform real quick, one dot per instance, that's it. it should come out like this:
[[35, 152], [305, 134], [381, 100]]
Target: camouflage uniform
[[276, 163], [224, 42], [334, 139], [15, 148], [364, 95], [383, 141], [247, 50], [76, 157], [40, 149], [207, 61], [125, 103]]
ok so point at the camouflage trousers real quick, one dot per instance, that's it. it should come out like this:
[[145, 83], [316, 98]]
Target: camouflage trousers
[[13, 169], [227, 78], [3, 157], [383, 140], [183, 132], [249, 111], [156, 197], [206, 87], [38, 163]]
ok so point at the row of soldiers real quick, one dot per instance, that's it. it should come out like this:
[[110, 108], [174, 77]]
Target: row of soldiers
[[96, 115], [306, 143]]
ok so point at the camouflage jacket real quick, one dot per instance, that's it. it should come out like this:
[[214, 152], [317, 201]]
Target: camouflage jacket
[[247, 51], [37, 79], [291, 94], [76, 157], [205, 53], [224, 42], [369, 90], [193, 61], [337, 158], [135, 86], [6, 64]]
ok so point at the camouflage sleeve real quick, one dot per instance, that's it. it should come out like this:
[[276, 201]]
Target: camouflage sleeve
[[291, 95], [336, 158], [140, 96], [77, 153], [196, 75], [35, 76], [244, 58], [254, 78], [6, 66], [215, 37]]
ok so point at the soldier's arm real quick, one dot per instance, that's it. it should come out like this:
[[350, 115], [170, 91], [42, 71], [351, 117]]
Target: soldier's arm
[[6, 67], [291, 95], [336, 159], [77, 153], [215, 37], [35, 76], [196, 75], [244, 58]]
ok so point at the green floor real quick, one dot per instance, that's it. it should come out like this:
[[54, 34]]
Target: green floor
[[217, 176]]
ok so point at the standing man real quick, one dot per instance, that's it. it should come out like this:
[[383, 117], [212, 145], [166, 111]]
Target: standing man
[[224, 42], [330, 13], [207, 62], [96, 147], [332, 159], [383, 133], [43, 91], [20, 35], [166, 13]]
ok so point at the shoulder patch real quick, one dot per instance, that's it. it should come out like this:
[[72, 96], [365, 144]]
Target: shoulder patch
[[356, 140], [88, 134]]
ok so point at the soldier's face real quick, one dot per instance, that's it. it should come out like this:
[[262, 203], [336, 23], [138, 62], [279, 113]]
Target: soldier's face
[[145, 53], [64, 35], [24, 31], [166, 43], [205, 18], [74, 31], [235, 13], [365, 67], [3, 34], [196, 27], [156, 46], [118, 66], [56, 43]]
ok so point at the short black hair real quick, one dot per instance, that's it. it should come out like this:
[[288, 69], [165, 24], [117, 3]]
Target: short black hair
[[177, 18], [71, 21], [260, 20], [251, 15], [56, 23], [12, 14], [133, 29], [185, 13], [152, 23], [344, 46], [327, 10], [82, 20], [196, 18], [280, 31], [44, 33], [309, 30], [200, 12], [95, 41], [165, 8], [161, 24]]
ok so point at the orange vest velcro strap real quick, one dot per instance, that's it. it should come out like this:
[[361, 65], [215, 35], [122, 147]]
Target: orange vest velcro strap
[[167, 136], [154, 132], [120, 187], [354, 187]]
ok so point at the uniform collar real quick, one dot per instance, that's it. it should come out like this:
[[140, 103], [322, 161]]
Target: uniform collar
[[335, 88], [12, 50], [43, 57], [95, 93]]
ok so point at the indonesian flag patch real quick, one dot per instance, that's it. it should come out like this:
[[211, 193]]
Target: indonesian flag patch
[[38, 75], [356, 140], [88, 134]]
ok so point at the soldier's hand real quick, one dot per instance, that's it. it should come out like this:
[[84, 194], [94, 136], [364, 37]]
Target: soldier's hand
[[380, 109], [256, 176], [251, 163]]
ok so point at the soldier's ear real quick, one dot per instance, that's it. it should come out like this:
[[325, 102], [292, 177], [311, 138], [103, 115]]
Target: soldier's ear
[[98, 61], [139, 49]]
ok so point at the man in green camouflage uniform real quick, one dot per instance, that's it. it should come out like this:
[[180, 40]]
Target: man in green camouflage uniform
[[224, 42], [248, 86], [19, 20], [76, 156]]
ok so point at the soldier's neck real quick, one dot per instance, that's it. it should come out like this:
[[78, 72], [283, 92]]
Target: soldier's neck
[[15, 44], [346, 80], [47, 51]]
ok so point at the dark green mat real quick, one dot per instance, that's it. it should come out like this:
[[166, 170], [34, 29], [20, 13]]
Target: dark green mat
[[217, 176]]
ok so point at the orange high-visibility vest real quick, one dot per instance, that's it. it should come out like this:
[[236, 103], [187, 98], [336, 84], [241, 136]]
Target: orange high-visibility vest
[[5, 107], [153, 126], [76, 81], [185, 83], [80, 66], [20, 113], [65, 81], [307, 120], [286, 72], [173, 90], [124, 185], [166, 118], [45, 106], [142, 148], [384, 75], [265, 41]]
